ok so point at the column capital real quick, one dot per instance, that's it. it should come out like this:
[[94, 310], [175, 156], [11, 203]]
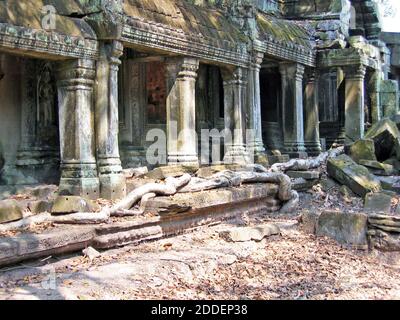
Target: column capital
[[182, 67], [292, 70], [237, 76], [256, 60], [74, 73], [112, 52], [355, 72]]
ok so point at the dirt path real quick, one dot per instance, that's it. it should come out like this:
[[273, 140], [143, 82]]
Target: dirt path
[[201, 265]]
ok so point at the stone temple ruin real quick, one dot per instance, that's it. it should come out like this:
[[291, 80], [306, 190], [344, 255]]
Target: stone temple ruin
[[84, 82]]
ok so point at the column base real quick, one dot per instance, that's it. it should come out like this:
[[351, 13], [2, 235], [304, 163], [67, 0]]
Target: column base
[[236, 155], [112, 181], [313, 148], [295, 150], [112, 186], [183, 159], [86, 187], [79, 180]]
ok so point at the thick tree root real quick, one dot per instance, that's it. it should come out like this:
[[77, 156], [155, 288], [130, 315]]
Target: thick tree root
[[307, 164]]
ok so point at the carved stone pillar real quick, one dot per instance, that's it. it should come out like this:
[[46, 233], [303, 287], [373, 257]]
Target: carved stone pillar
[[374, 93], [235, 122], [181, 74], [112, 181], [292, 109], [311, 115], [354, 102], [76, 121], [255, 145]]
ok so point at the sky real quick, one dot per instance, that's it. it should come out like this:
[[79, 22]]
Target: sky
[[393, 24]]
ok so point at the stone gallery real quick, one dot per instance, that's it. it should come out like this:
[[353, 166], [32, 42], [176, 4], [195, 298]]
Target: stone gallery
[[84, 82], [241, 95]]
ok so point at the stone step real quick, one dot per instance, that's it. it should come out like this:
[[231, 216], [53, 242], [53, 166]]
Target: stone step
[[203, 208]]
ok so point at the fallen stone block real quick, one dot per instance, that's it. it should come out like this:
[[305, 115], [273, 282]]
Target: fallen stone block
[[302, 185], [378, 168], [40, 206], [344, 170], [378, 202], [171, 171], [10, 211], [250, 233], [91, 253], [307, 175], [135, 172], [385, 222], [345, 228], [362, 149], [73, 204], [390, 183], [206, 172], [384, 241], [393, 162], [386, 138], [308, 221]]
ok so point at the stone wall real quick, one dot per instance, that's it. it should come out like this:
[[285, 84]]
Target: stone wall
[[10, 109]]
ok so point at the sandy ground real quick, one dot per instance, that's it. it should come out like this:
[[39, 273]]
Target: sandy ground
[[201, 265]]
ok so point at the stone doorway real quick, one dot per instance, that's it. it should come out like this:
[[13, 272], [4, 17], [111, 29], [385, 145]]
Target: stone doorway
[[30, 117]]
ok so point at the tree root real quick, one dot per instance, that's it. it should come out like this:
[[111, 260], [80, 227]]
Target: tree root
[[306, 164]]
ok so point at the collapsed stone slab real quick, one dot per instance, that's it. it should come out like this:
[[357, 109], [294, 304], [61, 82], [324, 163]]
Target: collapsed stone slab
[[363, 149], [250, 233], [346, 228], [10, 211], [378, 168], [378, 202], [386, 137], [344, 170], [73, 204]]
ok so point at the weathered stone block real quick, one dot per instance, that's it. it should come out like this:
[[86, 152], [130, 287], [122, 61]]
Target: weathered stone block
[[346, 228], [378, 202], [307, 175], [384, 241], [171, 171], [308, 221], [344, 170], [362, 149], [206, 172], [390, 183], [40, 206], [386, 138], [301, 184], [10, 211], [251, 233], [73, 204], [378, 168]]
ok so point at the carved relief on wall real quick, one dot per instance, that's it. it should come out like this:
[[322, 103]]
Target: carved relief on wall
[[46, 106]]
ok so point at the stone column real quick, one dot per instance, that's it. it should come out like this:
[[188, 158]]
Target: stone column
[[234, 117], [354, 103], [76, 122], [292, 109], [374, 93], [181, 74], [255, 145], [112, 181], [311, 115]]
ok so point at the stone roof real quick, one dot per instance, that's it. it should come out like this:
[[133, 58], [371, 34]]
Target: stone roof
[[283, 31], [203, 22], [28, 14], [21, 31]]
